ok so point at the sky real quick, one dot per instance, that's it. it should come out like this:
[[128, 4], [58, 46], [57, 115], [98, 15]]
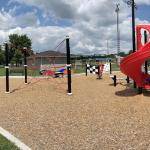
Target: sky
[[91, 24]]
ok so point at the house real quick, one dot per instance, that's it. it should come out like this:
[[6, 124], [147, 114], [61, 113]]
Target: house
[[46, 58]]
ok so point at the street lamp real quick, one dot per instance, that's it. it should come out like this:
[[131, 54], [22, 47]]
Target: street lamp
[[107, 47], [132, 4], [118, 31]]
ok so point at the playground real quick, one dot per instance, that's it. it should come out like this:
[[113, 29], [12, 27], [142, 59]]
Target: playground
[[58, 98], [61, 109], [97, 114]]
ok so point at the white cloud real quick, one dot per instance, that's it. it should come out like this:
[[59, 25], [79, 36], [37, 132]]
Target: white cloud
[[28, 19], [147, 2], [8, 19], [94, 23], [59, 9]]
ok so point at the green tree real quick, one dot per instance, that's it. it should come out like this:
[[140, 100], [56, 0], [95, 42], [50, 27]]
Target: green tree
[[17, 43], [130, 52], [122, 54], [17, 59], [2, 56]]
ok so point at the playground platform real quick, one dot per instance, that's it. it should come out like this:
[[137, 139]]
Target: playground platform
[[97, 115]]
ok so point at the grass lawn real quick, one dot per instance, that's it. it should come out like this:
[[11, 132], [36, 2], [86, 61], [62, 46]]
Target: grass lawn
[[6, 145], [115, 67], [2, 71], [20, 72], [81, 70]]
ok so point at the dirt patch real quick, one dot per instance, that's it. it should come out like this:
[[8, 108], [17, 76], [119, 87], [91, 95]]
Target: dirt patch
[[97, 115]]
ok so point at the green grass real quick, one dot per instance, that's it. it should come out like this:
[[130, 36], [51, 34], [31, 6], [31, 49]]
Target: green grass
[[81, 70], [20, 72], [6, 145], [2, 71], [115, 67], [33, 72]]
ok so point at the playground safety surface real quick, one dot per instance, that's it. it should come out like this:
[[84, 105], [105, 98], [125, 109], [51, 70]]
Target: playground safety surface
[[97, 115]]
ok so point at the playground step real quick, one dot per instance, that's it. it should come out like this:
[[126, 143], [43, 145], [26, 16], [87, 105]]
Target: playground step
[[147, 87]]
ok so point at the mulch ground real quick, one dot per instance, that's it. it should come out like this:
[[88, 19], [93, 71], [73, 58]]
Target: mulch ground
[[97, 115]]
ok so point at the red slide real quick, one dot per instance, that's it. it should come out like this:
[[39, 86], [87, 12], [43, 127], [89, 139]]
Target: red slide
[[132, 64]]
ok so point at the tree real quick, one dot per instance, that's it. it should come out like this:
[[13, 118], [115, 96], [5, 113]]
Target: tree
[[122, 54], [2, 56], [17, 43], [130, 52], [17, 59]]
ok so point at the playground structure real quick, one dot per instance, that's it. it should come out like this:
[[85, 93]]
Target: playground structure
[[115, 79], [132, 64], [53, 73], [24, 51], [97, 69]]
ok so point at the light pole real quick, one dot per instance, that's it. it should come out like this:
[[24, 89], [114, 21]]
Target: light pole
[[118, 31], [133, 6], [133, 25], [107, 48]]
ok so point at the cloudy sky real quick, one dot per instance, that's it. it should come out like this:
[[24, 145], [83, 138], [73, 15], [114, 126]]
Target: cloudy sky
[[89, 23]]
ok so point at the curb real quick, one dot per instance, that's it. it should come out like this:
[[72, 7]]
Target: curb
[[13, 139]]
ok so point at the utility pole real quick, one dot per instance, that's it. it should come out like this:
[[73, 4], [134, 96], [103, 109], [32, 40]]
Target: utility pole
[[133, 6], [133, 25], [107, 48], [118, 30], [133, 30]]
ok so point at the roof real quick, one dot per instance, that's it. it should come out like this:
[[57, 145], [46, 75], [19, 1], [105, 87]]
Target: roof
[[49, 53]]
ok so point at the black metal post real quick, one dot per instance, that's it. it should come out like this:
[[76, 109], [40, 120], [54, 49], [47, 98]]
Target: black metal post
[[140, 90], [86, 69], [133, 31], [110, 67], [25, 65], [133, 26], [128, 79], [68, 65], [115, 80], [7, 67], [98, 72], [146, 63]]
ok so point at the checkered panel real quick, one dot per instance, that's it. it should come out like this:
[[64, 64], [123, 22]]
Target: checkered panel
[[92, 69]]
